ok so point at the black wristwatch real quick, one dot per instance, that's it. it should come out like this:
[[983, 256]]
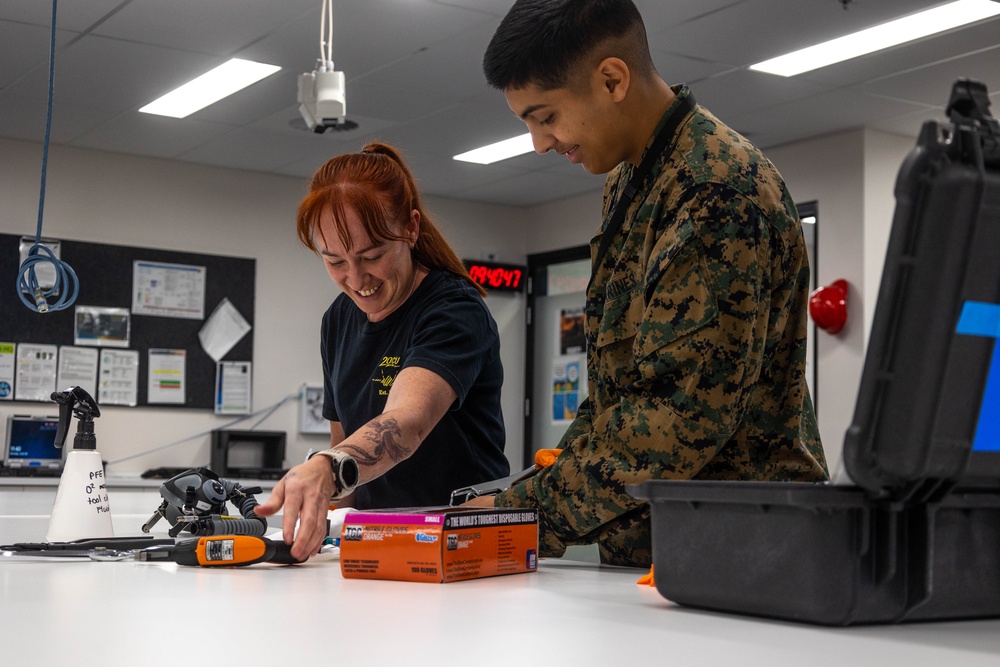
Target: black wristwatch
[[345, 472]]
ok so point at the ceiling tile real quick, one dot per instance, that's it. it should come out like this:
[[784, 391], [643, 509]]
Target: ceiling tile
[[908, 124], [906, 57], [258, 150], [367, 34], [449, 178], [932, 84], [457, 129], [26, 48], [742, 91], [145, 134], [818, 115], [365, 98], [75, 16], [218, 28], [528, 189], [496, 8], [681, 69], [754, 30], [119, 76], [456, 74], [266, 97]]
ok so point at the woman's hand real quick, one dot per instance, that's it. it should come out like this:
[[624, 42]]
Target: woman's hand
[[305, 493]]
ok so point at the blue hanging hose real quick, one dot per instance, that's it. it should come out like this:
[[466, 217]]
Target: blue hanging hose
[[65, 277]]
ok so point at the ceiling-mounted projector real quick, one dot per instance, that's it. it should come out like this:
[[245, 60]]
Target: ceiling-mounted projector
[[323, 98]]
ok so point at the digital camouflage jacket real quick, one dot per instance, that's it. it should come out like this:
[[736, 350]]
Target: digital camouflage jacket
[[696, 345]]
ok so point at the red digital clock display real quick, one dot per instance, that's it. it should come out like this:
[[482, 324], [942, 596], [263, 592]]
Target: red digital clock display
[[496, 277]]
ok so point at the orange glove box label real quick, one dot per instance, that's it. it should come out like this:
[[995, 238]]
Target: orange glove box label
[[439, 545]]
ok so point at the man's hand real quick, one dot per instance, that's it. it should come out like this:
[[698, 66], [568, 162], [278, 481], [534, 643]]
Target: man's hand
[[305, 493]]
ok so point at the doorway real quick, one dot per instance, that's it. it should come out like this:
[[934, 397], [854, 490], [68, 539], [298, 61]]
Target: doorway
[[809, 218], [555, 349]]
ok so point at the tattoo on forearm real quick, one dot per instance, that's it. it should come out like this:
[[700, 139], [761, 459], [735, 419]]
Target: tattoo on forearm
[[386, 436]]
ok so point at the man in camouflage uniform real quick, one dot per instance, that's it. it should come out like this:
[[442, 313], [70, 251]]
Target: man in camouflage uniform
[[695, 315]]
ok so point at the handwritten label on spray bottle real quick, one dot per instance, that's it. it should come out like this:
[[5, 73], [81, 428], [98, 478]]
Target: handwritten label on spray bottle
[[96, 492]]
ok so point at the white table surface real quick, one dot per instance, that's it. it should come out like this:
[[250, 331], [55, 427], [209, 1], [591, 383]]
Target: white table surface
[[105, 614]]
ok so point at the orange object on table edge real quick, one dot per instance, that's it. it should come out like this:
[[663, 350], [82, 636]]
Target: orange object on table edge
[[546, 457]]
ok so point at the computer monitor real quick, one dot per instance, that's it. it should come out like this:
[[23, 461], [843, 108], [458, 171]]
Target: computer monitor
[[29, 443], [248, 454]]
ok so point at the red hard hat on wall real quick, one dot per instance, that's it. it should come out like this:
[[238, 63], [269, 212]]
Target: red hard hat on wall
[[828, 306]]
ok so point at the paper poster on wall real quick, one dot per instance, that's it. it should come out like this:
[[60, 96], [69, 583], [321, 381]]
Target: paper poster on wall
[[168, 290], [311, 412], [565, 389], [224, 328], [118, 382], [233, 388], [77, 368], [36, 372], [106, 327], [166, 376], [7, 371], [571, 337]]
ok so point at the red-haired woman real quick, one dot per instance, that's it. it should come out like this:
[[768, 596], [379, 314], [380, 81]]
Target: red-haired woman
[[411, 354]]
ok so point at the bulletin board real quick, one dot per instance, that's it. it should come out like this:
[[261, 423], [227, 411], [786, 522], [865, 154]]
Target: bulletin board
[[105, 275]]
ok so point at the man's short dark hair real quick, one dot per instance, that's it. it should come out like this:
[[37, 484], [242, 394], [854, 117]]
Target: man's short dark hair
[[540, 42]]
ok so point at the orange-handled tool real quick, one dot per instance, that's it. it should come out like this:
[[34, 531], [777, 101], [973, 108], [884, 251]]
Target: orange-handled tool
[[222, 551]]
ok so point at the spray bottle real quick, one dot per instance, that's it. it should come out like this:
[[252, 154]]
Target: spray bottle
[[81, 509]]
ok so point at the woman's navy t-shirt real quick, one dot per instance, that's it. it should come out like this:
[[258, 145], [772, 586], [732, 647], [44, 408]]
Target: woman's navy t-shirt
[[445, 328]]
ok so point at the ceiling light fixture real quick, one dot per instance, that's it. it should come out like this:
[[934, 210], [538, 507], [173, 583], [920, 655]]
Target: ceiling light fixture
[[209, 88], [893, 33], [501, 150]]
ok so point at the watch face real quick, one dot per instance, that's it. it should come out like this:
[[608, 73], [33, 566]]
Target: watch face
[[349, 474], [346, 474]]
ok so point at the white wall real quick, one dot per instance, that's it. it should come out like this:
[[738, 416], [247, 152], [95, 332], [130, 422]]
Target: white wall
[[851, 175], [564, 223], [830, 170], [884, 154], [111, 198]]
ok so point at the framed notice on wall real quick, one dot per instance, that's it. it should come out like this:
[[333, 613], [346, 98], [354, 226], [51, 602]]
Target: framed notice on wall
[[311, 412]]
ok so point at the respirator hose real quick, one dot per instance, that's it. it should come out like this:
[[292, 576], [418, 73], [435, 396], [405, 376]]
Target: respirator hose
[[245, 504], [220, 526]]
